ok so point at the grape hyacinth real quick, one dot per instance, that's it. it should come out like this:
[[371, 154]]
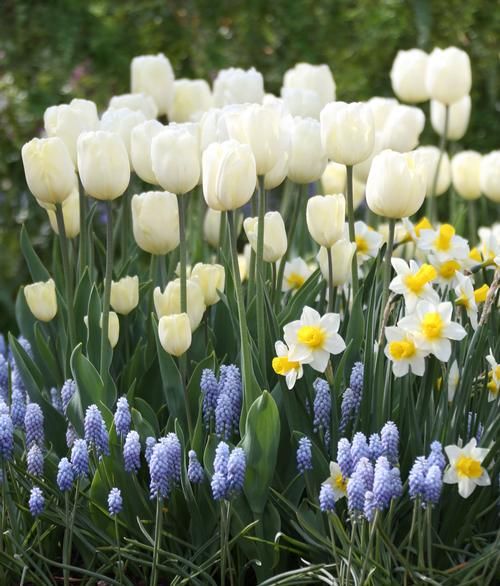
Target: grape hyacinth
[[132, 452], [322, 409], [390, 442], [396, 483], [236, 467], [304, 455], [229, 472], [65, 475], [344, 457], [115, 501], [96, 434], [67, 391], [351, 398], [55, 399], [165, 466], [364, 471], [6, 437], [122, 418], [326, 498], [34, 461], [375, 446], [33, 424], [36, 502], [4, 379], [18, 406], [3, 346], [210, 391], [80, 458], [71, 435], [4, 408], [356, 494], [436, 456], [370, 506], [416, 478], [195, 471], [382, 484], [347, 409], [228, 409], [150, 444], [359, 448], [433, 485]]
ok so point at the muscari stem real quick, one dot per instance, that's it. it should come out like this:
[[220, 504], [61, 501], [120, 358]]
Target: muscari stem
[[352, 234], [105, 345], [158, 526]]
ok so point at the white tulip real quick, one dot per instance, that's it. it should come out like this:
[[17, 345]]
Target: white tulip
[[155, 221], [458, 117], [316, 78], [342, 254], [426, 158], [409, 75], [122, 121], [238, 86], [302, 102], [275, 240], [325, 217], [136, 102], [449, 76], [192, 97], [465, 174], [403, 128], [125, 294], [141, 138], [42, 300], [169, 302], [174, 333], [307, 160], [490, 176], [211, 279], [153, 75], [71, 214]]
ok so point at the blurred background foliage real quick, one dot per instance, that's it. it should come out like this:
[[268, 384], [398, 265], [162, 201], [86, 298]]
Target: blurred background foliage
[[54, 50]]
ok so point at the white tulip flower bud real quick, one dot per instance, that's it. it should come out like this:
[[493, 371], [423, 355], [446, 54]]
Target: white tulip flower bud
[[275, 240], [103, 164], [169, 302], [41, 299], [176, 159], [409, 75], [307, 160], [465, 174], [395, 186], [315, 78], [155, 221], [211, 227], [449, 76], [141, 138], [489, 176], [403, 128], [49, 170], [113, 327], [137, 102], [238, 86], [175, 333], [426, 158], [302, 102], [71, 215], [381, 108], [192, 98], [153, 75], [342, 254], [458, 117], [122, 121], [325, 217], [347, 132], [229, 175], [125, 294], [211, 279]]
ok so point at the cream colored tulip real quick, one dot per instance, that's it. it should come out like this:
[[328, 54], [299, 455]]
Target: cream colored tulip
[[325, 215], [103, 164], [125, 294], [238, 86], [229, 175], [426, 158], [211, 279], [141, 138], [409, 76], [169, 302], [395, 186], [155, 221], [211, 227], [175, 333], [71, 215], [49, 170], [302, 102], [307, 160], [458, 117], [122, 121], [192, 97], [275, 240], [381, 109], [278, 173], [113, 327], [315, 78], [153, 75], [342, 254], [465, 174], [489, 176], [137, 102], [449, 76], [403, 128], [42, 300], [176, 159], [68, 121], [347, 132], [334, 178]]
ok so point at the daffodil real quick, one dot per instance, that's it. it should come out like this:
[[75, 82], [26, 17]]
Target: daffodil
[[444, 243], [489, 246], [447, 271], [413, 282], [337, 481], [295, 274], [493, 377], [415, 229], [465, 467], [403, 352], [368, 241], [453, 380], [283, 366], [465, 297], [312, 338], [433, 329]]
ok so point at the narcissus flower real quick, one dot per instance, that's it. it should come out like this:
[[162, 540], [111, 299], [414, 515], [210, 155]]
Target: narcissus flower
[[290, 369], [433, 329], [337, 481], [447, 271], [404, 353], [312, 338], [413, 282], [466, 297], [295, 274], [493, 377], [368, 241], [465, 467], [444, 243]]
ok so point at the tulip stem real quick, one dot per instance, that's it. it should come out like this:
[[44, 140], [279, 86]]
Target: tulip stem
[[68, 281], [260, 276], [181, 200], [82, 250], [387, 267], [352, 233], [105, 344], [442, 146]]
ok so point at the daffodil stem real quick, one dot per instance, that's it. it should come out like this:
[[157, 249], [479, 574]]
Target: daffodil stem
[[157, 542], [260, 276], [105, 346], [120, 566], [330, 279], [352, 234], [442, 146], [428, 515], [68, 281], [387, 267]]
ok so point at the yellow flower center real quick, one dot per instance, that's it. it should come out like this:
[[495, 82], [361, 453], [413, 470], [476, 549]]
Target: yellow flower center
[[402, 349], [480, 294], [463, 300], [474, 254], [361, 245], [341, 482], [443, 240], [281, 365], [432, 325], [492, 387], [424, 275], [468, 467], [295, 280], [312, 336], [424, 224], [448, 269]]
